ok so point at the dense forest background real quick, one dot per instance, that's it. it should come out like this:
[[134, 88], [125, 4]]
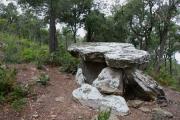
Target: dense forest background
[[28, 31]]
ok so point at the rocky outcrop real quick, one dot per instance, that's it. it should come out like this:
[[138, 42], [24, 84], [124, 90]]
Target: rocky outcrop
[[111, 69], [90, 96], [160, 114], [109, 81]]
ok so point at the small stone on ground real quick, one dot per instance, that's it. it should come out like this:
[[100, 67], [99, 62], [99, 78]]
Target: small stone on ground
[[160, 114]]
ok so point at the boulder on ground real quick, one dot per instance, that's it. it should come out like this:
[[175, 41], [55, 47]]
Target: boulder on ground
[[160, 114], [109, 81], [90, 96], [135, 103]]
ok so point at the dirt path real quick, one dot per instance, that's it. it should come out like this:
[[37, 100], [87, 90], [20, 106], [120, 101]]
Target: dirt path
[[55, 101]]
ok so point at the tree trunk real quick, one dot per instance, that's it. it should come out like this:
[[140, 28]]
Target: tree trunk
[[53, 43], [89, 35], [66, 42], [160, 52], [165, 62], [74, 35], [163, 33], [170, 65]]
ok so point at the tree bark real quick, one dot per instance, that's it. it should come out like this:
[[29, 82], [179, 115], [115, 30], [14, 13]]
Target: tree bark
[[53, 43], [74, 34], [160, 52], [89, 35], [170, 65]]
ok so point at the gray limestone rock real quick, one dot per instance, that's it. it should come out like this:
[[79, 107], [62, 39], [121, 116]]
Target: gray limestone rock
[[116, 55], [109, 81], [90, 96], [80, 78], [135, 103], [148, 85], [160, 114], [91, 70]]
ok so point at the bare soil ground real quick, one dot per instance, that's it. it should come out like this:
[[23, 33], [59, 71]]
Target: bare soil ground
[[55, 102]]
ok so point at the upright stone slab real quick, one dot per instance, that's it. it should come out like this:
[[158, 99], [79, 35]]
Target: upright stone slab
[[80, 78], [110, 81], [148, 85]]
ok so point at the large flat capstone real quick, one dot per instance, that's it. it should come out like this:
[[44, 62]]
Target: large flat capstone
[[116, 55]]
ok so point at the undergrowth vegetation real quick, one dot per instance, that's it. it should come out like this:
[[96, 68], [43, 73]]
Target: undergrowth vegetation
[[164, 78], [18, 50], [10, 91], [104, 115], [43, 79]]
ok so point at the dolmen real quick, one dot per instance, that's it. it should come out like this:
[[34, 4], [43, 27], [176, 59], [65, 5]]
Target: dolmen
[[108, 74]]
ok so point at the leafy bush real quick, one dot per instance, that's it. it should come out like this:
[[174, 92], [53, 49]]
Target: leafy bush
[[22, 50], [68, 63], [28, 55], [164, 78], [43, 79], [18, 104], [10, 91], [6, 80], [41, 57], [104, 115], [64, 59], [12, 54]]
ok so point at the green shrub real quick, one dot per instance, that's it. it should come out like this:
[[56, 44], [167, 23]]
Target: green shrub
[[18, 104], [43, 79], [68, 63], [39, 63], [41, 57], [2, 98], [22, 50], [10, 91], [18, 93], [12, 54], [7, 80], [104, 115], [28, 55], [64, 59], [164, 78]]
